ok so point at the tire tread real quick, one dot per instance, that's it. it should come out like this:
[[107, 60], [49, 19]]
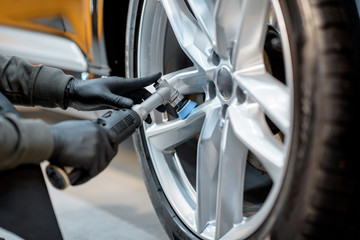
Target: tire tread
[[334, 195]]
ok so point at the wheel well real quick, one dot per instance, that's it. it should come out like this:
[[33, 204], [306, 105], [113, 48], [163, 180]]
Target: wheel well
[[115, 16]]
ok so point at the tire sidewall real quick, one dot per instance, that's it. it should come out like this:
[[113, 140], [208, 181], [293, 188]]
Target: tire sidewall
[[293, 207]]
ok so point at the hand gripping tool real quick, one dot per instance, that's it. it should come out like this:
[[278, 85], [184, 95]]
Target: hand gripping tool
[[124, 122]]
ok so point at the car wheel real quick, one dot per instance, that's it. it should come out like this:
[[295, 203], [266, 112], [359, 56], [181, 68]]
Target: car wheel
[[268, 151]]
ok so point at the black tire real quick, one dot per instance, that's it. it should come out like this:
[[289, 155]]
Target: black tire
[[319, 195]]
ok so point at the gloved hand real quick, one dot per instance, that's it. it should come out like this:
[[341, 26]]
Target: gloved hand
[[104, 93], [83, 145]]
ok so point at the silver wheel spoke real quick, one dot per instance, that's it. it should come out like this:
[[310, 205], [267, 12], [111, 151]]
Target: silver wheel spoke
[[229, 210], [272, 95], [249, 125], [190, 36], [170, 134], [227, 20], [188, 80], [249, 47], [204, 13], [207, 169]]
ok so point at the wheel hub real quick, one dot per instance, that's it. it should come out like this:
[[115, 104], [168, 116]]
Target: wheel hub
[[224, 82]]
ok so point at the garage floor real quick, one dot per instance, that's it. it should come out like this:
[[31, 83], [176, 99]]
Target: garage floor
[[114, 205]]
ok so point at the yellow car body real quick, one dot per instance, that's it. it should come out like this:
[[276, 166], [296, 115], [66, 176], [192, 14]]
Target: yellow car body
[[68, 34]]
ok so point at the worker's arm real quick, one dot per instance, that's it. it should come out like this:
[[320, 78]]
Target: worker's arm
[[26, 84], [23, 141], [80, 144]]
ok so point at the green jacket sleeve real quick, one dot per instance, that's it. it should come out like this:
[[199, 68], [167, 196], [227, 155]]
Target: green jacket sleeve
[[23, 141], [26, 84]]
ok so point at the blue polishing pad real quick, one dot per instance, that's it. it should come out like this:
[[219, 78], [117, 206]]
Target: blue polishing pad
[[186, 109]]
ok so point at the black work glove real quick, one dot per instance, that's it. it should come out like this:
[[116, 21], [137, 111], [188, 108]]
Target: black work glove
[[104, 93], [84, 145]]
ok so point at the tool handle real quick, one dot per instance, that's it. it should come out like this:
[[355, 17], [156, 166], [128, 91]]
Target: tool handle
[[121, 123], [57, 176]]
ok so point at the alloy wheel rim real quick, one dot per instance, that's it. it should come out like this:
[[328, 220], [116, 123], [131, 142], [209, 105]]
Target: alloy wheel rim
[[237, 92]]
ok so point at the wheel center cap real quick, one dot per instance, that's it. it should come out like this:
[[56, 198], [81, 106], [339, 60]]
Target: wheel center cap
[[224, 82]]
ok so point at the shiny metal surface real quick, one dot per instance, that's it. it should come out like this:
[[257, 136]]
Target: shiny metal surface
[[224, 40]]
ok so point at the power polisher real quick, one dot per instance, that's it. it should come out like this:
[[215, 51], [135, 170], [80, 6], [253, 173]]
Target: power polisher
[[124, 122]]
